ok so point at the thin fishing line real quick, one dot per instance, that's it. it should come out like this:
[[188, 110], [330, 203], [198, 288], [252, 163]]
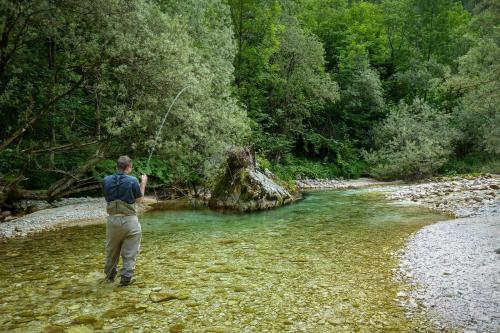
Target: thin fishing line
[[161, 126]]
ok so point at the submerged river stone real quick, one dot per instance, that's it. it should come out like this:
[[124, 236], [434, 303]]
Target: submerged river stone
[[88, 319], [80, 329], [243, 187], [53, 329], [176, 328], [167, 296]]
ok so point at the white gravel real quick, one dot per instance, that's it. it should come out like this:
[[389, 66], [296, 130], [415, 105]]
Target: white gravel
[[457, 273], [340, 183], [453, 265], [461, 197]]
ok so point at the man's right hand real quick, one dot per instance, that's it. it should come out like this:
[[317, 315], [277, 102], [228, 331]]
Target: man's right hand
[[144, 180]]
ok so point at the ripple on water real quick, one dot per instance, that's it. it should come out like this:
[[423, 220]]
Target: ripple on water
[[321, 265]]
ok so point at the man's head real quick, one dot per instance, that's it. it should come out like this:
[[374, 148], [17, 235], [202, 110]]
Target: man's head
[[124, 163]]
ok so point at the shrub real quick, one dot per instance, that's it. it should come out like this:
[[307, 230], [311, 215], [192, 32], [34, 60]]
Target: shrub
[[413, 142]]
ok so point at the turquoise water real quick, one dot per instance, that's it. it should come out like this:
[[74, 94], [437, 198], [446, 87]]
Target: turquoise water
[[324, 264]]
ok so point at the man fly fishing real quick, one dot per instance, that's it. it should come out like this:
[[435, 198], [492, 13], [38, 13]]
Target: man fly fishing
[[123, 230]]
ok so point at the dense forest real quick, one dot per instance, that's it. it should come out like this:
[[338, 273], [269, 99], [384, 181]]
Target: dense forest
[[321, 88]]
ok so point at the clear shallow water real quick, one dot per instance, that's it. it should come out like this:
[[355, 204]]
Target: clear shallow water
[[324, 264]]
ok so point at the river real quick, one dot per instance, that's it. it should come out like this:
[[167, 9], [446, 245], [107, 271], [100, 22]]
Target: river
[[324, 264]]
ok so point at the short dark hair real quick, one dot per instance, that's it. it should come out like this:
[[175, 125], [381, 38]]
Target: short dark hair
[[123, 162]]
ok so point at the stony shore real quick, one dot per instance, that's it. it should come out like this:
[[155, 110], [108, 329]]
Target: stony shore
[[457, 196], [65, 213], [454, 265], [339, 183]]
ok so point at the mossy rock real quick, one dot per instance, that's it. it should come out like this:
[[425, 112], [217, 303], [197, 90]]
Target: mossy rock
[[244, 188]]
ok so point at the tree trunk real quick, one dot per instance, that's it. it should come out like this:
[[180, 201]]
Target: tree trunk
[[64, 185]]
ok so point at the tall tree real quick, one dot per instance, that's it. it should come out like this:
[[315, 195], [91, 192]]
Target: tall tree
[[477, 84], [300, 89], [425, 29]]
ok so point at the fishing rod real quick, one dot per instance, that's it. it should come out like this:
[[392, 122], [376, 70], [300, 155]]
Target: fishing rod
[[161, 127], [148, 167]]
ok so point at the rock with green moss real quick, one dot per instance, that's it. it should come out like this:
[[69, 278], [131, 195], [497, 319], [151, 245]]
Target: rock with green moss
[[244, 187]]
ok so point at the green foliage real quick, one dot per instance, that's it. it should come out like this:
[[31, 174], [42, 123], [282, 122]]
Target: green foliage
[[486, 18], [362, 101], [423, 79], [471, 164], [366, 33], [300, 88], [425, 29], [413, 142], [477, 84], [256, 29], [262, 162], [280, 75], [293, 168], [8, 162]]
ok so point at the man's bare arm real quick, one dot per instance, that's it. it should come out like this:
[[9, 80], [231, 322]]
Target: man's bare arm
[[144, 180]]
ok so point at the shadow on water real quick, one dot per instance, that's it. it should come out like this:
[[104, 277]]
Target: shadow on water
[[323, 264]]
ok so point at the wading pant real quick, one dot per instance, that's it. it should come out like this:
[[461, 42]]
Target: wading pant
[[123, 237]]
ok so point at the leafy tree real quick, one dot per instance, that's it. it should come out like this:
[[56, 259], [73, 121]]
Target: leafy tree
[[345, 28], [423, 79], [366, 32], [256, 30], [361, 102], [300, 89], [327, 19], [280, 75], [426, 29], [477, 84], [414, 141], [486, 17]]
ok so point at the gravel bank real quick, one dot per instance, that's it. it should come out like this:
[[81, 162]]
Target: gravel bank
[[461, 197], [68, 213], [339, 183], [456, 272], [453, 265]]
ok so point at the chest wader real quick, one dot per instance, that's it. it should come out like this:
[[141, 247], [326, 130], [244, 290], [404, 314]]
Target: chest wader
[[123, 238]]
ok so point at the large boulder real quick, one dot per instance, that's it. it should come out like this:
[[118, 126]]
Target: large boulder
[[243, 187]]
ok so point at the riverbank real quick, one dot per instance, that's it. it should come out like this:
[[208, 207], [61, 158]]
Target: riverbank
[[460, 197], [454, 269], [341, 183], [67, 213], [87, 211], [454, 266], [457, 196]]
